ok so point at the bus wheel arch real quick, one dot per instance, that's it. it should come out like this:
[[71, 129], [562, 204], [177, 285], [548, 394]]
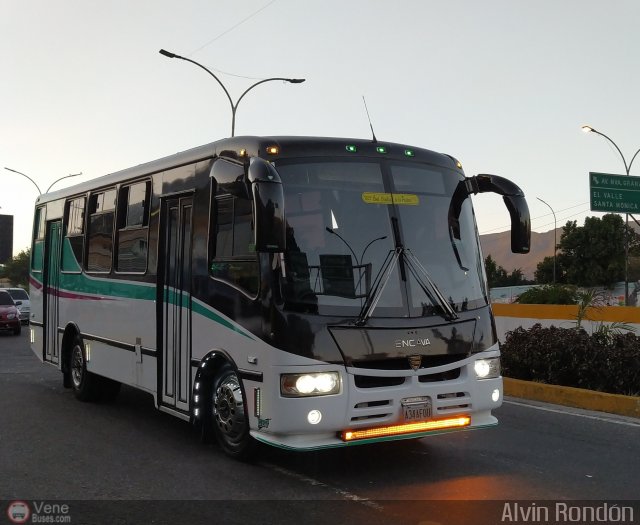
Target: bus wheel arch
[[221, 408]]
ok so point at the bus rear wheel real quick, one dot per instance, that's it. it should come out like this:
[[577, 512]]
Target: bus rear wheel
[[83, 382], [229, 417]]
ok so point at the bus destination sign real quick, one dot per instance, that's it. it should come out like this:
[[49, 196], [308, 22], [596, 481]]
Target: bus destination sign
[[614, 193]]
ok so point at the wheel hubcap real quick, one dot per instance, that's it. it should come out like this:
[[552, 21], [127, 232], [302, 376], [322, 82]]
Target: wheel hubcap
[[228, 409], [77, 369]]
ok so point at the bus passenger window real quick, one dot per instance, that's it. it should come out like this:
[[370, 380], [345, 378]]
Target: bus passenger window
[[100, 234], [73, 246], [133, 230], [235, 259]]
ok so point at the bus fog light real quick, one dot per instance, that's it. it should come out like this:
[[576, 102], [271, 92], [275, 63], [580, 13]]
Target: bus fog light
[[495, 395], [314, 417], [314, 384], [487, 368]]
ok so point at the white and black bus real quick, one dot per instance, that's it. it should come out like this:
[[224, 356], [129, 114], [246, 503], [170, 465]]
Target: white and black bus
[[300, 292]]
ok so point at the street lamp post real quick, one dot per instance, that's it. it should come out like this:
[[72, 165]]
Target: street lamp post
[[555, 244], [234, 106], [627, 168]]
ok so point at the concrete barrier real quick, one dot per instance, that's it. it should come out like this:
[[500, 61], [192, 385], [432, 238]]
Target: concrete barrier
[[511, 316], [573, 397]]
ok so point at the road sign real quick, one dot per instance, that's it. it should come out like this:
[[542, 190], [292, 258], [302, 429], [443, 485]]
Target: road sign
[[616, 193]]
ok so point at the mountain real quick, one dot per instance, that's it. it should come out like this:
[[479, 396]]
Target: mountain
[[498, 245]]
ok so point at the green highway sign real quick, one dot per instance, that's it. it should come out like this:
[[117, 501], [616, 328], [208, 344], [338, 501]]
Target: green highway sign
[[616, 193]]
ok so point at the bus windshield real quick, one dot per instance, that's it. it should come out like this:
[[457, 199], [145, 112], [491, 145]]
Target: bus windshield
[[346, 219]]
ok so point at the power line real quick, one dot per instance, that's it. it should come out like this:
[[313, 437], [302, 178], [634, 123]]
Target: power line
[[229, 31], [502, 228]]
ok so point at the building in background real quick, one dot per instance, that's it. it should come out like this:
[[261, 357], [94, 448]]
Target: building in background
[[6, 238]]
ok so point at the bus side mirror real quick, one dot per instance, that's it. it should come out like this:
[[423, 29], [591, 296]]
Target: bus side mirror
[[513, 198], [268, 206]]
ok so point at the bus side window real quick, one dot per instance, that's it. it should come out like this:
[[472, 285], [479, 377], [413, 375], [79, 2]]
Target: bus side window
[[73, 247], [133, 228], [38, 240], [235, 259], [100, 231]]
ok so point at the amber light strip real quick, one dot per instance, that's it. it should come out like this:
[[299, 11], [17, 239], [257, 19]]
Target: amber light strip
[[408, 428]]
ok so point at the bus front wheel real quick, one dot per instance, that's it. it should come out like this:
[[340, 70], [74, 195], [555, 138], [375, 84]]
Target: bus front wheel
[[229, 417], [83, 382]]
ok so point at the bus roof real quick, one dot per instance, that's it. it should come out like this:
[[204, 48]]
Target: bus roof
[[243, 147]]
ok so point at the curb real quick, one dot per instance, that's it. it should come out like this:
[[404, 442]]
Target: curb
[[573, 397]]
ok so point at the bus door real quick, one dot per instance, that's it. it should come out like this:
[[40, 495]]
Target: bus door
[[176, 302], [53, 250]]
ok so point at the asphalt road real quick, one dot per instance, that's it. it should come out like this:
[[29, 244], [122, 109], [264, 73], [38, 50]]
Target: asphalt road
[[54, 448]]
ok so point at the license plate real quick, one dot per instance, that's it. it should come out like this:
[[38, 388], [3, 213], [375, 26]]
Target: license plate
[[417, 409]]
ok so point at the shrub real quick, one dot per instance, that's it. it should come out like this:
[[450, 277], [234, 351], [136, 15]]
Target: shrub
[[549, 294], [604, 361]]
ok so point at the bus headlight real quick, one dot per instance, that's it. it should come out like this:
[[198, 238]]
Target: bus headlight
[[487, 368], [317, 384]]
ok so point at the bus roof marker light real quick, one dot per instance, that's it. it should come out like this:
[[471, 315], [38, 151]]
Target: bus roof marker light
[[351, 148], [409, 153], [381, 149], [273, 150]]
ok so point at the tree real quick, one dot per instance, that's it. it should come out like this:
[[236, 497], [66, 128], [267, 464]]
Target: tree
[[544, 271], [495, 273], [498, 276], [593, 254], [17, 269]]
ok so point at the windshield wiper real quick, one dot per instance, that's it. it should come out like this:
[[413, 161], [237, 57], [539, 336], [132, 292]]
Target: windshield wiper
[[428, 285], [416, 268], [379, 284]]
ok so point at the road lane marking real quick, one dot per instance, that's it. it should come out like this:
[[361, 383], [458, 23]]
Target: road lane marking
[[315, 483], [567, 411]]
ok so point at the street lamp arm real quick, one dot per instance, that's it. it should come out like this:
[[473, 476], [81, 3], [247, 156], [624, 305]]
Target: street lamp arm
[[627, 168], [65, 177], [235, 107], [169, 54], [633, 158], [27, 176], [291, 80]]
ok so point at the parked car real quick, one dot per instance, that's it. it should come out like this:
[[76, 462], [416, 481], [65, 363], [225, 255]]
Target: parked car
[[21, 298], [9, 314]]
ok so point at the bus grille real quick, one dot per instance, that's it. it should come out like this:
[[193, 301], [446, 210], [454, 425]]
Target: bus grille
[[402, 363], [363, 381]]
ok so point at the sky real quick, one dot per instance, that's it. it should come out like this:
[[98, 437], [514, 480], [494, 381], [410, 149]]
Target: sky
[[504, 86]]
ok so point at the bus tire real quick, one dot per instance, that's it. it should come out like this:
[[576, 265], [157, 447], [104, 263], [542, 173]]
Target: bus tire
[[84, 383], [228, 415]]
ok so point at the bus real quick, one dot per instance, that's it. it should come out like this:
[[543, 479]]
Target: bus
[[300, 292]]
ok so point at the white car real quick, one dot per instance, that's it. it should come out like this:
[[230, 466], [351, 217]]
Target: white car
[[21, 298]]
